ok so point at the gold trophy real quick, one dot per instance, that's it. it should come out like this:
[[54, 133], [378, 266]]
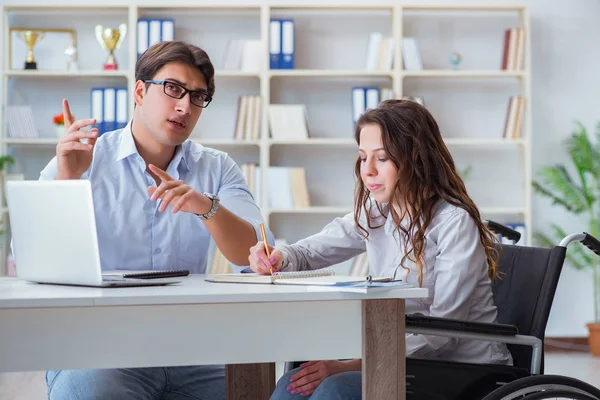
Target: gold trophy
[[30, 37], [110, 39]]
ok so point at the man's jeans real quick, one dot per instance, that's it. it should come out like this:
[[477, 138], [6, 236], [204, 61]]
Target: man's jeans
[[174, 383]]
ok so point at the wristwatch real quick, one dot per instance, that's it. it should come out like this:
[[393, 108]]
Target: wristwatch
[[213, 209]]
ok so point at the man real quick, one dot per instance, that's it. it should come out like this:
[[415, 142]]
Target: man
[[158, 199]]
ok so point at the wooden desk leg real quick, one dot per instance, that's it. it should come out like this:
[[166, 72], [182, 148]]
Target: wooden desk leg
[[250, 381], [383, 350]]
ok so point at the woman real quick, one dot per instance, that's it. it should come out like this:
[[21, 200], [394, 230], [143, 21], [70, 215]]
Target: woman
[[416, 221]]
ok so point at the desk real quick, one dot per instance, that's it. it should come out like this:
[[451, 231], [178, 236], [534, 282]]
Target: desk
[[247, 327]]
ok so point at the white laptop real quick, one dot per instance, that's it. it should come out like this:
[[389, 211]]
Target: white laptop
[[54, 235]]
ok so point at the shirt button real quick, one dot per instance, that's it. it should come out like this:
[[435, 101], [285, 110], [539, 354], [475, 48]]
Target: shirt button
[[158, 250]]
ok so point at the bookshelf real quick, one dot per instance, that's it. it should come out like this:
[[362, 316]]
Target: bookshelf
[[331, 42]]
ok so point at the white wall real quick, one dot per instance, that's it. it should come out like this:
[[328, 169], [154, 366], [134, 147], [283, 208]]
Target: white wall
[[565, 87]]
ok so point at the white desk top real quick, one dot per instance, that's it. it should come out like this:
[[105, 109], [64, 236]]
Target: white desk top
[[192, 290]]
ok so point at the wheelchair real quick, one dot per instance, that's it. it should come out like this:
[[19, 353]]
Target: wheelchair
[[523, 296]]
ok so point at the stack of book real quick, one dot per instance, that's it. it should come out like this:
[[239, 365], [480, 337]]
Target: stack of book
[[514, 117], [514, 49], [380, 53], [247, 126]]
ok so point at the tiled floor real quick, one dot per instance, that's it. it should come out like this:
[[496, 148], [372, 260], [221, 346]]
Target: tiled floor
[[577, 365], [31, 385]]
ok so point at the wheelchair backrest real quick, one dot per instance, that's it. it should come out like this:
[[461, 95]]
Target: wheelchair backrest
[[525, 291]]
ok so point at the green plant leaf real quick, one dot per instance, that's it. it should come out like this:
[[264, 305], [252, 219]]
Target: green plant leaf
[[542, 240], [562, 190], [580, 256], [465, 174], [555, 200], [596, 157], [4, 160], [582, 154], [581, 150]]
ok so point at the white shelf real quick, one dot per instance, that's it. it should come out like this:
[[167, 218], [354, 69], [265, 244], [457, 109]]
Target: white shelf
[[204, 142], [306, 85], [67, 74], [482, 7], [221, 142], [502, 210], [311, 210], [331, 7], [352, 142], [316, 142], [483, 142], [236, 74], [109, 7], [442, 73], [329, 73], [32, 142]]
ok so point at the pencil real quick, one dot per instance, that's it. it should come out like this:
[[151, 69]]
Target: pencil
[[263, 233]]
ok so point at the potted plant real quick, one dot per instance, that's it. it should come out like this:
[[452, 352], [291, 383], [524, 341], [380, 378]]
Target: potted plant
[[6, 160], [579, 196], [59, 123]]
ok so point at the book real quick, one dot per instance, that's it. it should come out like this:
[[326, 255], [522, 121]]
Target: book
[[323, 277]]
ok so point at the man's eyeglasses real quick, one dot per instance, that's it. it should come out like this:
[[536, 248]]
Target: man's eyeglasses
[[199, 98]]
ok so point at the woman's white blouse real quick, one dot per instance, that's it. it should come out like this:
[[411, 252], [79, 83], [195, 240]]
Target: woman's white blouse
[[455, 271]]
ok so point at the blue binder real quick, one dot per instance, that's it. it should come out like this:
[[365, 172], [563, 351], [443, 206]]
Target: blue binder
[[275, 44], [287, 43], [109, 108]]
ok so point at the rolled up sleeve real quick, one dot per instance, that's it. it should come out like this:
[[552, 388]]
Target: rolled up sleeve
[[235, 195]]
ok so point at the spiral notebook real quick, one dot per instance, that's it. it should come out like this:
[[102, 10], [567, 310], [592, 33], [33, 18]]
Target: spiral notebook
[[320, 277]]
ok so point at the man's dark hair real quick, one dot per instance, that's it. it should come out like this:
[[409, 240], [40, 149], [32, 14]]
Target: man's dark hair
[[160, 54]]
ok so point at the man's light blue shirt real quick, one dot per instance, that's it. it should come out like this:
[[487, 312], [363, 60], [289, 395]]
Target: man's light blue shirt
[[132, 233]]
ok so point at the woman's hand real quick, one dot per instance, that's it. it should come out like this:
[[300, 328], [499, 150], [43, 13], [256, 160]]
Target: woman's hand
[[259, 262], [306, 381]]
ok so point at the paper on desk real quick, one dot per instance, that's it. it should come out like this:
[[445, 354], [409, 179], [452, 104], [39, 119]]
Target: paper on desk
[[376, 284]]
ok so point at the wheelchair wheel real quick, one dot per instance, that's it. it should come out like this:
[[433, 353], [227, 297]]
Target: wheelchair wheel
[[558, 394], [543, 385]]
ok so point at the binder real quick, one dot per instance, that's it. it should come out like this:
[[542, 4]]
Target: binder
[[358, 103], [110, 108], [142, 36], [152, 31], [364, 98], [287, 44], [168, 30], [371, 97], [97, 108], [122, 111], [275, 44]]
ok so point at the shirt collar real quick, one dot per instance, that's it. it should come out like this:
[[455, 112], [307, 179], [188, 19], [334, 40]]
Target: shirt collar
[[127, 148], [390, 226], [126, 144]]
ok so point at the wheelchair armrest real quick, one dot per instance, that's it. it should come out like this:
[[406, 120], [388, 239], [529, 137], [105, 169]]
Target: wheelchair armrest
[[423, 321]]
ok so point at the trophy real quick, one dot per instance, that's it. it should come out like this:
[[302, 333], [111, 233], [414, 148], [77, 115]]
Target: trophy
[[110, 39], [71, 53], [30, 37]]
